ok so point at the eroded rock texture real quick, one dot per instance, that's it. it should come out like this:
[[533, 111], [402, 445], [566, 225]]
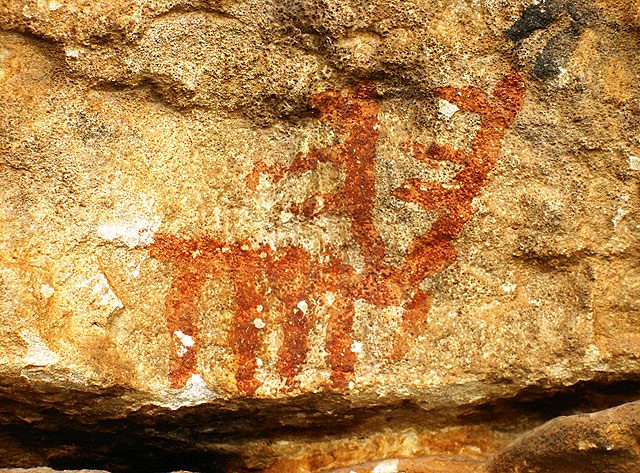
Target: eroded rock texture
[[603, 441], [309, 234]]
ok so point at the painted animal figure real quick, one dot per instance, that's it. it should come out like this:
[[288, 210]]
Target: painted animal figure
[[288, 279]]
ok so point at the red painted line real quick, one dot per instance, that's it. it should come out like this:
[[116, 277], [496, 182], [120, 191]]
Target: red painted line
[[290, 278]]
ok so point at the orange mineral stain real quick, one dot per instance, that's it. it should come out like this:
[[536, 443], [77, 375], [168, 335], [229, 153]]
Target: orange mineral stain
[[290, 282]]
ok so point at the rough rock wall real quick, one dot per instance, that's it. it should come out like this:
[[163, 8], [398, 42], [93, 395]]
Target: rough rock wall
[[312, 214]]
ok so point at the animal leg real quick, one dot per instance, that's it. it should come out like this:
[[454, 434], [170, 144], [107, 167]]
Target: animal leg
[[296, 323], [181, 316], [244, 335], [339, 340], [414, 320]]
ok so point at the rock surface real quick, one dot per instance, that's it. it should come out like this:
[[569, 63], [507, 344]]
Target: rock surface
[[604, 441], [45, 470], [313, 233]]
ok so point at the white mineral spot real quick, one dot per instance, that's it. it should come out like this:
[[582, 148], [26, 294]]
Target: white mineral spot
[[259, 308], [452, 313], [473, 449], [303, 306], [196, 381], [196, 391], [356, 346], [259, 362], [46, 291], [135, 233], [53, 5], [352, 385], [634, 163], [26, 11], [263, 182], [584, 445], [329, 298], [135, 272], [617, 218], [38, 354], [446, 108], [181, 351], [558, 371], [136, 229], [592, 354], [186, 340], [72, 53], [102, 293], [386, 466], [509, 287], [285, 216], [259, 323], [535, 302]]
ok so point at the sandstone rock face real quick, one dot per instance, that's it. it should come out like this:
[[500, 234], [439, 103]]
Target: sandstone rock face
[[604, 441], [233, 227], [44, 470]]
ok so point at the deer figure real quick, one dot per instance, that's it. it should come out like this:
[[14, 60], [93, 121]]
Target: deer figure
[[283, 279]]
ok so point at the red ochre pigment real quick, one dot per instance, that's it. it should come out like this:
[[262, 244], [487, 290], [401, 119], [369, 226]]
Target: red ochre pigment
[[278, 280]]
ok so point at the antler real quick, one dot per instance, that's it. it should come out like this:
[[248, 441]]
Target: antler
[[432, 252], [452, 200]]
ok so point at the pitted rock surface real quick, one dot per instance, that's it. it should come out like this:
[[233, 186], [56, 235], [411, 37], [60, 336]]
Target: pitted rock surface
[[316, 212]]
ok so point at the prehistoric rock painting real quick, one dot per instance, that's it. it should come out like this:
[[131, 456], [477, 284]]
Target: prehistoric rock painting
[[290, 280]]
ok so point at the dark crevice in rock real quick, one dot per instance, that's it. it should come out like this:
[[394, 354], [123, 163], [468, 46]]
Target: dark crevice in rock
[[541, 405], [216, 438]]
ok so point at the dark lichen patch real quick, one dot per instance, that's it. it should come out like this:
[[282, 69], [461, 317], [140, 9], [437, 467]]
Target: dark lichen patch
[[560, 45], [556, 52], [536, 16]]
